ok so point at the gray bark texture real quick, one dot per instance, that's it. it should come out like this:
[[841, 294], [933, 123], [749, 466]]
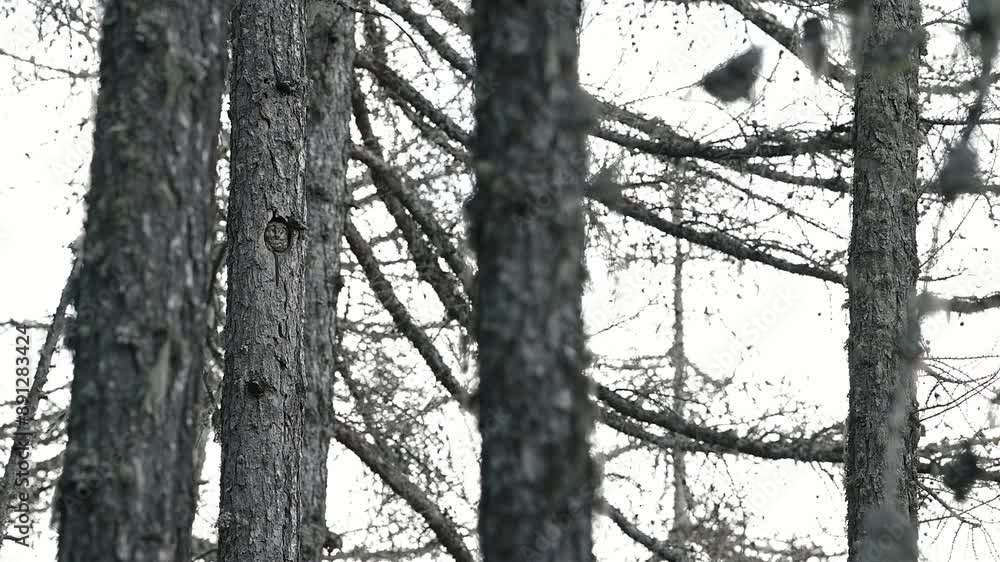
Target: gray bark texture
[[527, 229], [882, 274], [264, 381], [330, 64], [142, 312]]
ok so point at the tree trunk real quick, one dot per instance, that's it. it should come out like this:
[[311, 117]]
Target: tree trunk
[[330, 60], [682, 518], [264, 382], [528, 232], [882, 276], [127, 492]]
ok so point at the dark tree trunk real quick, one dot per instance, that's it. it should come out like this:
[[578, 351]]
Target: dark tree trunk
[[264, 381], [330, 59], [126, 492], [528, 232], [882, 278]]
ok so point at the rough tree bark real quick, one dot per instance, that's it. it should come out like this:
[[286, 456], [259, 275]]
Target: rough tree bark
[[264, 384], [330, 64], [527, 229], [882, 274], [126, 492]]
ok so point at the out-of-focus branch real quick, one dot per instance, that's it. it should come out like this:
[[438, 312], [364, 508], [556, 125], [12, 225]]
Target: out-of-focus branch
[[716, 241], [399, 88], [969, 305], [29, 324], [404, 322], [416, 207], [443, 527], [452, 13], [663, 549], [390, 190], [74, 74], [785, 37], [808, 450]]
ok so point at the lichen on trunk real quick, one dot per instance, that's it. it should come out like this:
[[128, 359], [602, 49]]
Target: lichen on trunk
[[880, 470]]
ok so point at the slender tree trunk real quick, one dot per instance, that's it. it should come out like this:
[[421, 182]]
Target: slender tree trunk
[[264, 381], [528, 232], [682, 518], [126, 492], [330, 63], [880, 473]]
